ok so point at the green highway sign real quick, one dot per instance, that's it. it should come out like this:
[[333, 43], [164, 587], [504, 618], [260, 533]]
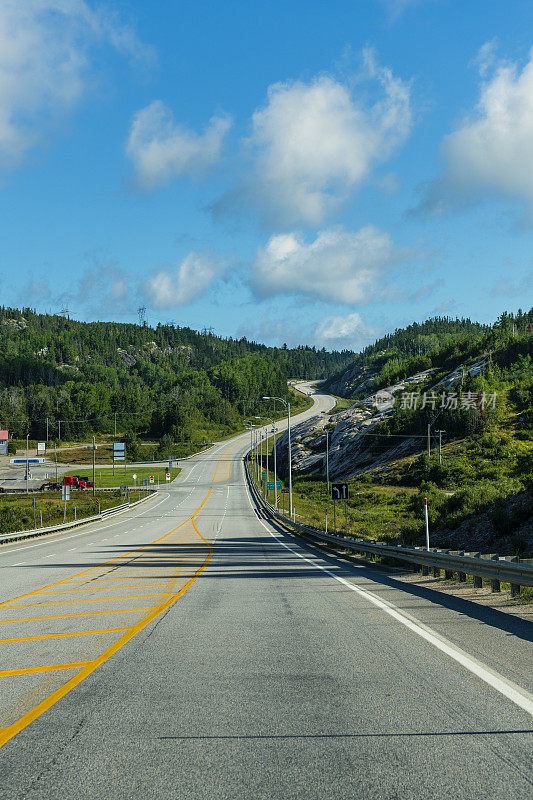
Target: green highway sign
[[272, 485]]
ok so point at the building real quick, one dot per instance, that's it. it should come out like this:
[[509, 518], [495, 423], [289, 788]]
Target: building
[[3, 443]]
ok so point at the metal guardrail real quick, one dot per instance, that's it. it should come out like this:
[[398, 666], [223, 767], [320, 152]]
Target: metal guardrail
[[107, 512], [511, 569]]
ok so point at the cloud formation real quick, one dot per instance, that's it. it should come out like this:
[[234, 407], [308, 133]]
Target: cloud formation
[[45, 64], [491, 153], [314, 143], [343, 332], [338, 266], [180, 285], [162, 150]]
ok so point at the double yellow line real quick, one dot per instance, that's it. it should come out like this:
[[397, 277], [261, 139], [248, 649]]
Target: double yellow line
[[10, 731]]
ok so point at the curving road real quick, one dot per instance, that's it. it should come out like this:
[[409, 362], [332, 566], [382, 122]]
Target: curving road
[[194, 650]]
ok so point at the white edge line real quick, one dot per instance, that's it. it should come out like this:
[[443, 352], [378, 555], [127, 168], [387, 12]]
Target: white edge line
[[512, 691]]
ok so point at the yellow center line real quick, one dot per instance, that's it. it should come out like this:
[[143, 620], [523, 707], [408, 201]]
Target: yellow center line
[[6, 673], [61, 635]]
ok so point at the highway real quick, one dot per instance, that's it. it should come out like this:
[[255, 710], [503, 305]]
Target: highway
[[192, 649]]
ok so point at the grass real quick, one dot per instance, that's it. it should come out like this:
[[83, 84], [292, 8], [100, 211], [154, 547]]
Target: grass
[[17, 513], [106, 479], [342, 404]]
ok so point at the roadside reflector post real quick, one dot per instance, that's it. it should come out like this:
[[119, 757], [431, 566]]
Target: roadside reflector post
[[427, 521]]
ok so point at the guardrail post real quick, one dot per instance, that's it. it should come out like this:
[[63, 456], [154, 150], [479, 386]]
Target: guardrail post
[[494, 582], [462, 575]]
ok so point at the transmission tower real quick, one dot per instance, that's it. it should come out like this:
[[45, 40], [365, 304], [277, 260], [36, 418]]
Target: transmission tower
[[141, 313]]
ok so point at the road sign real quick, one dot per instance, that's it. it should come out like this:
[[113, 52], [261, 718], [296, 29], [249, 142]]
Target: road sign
[[167, 476], [41, 447], [145, 481], [152, 479], [65, 492], [339, 491], [28, 461], [134, 477], [272, 485]]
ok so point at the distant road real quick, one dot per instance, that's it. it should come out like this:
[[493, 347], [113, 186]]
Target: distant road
[[192, 650]]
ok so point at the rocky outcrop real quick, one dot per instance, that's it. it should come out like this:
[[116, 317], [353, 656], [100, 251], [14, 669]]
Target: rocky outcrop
[[126, 357]]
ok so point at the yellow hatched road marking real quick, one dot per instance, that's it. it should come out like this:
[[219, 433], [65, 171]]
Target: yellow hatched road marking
[[5, 673], [81, 614], [91, 600], [103, 588], [61, 635], [8, 732]]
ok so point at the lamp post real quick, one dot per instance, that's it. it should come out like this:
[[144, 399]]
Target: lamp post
[[27, 461], [288, 407]]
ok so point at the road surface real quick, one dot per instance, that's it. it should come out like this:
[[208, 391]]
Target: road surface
[[192, 650]]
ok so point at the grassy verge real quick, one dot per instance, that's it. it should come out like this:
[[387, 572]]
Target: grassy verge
[[105, 478], [17, 513], [342, 404]]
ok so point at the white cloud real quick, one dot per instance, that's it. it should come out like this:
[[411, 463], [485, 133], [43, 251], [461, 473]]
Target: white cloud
[[178, 286], [343, 332], [396, 8], [338, 266], [491, 153], [161, 150], [314, 143], [45, 64]]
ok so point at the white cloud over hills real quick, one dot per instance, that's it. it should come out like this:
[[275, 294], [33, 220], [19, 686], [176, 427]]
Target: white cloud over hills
[[347, 332], [46, 65], [314, 143], [177, 286], [491, 153], [162, 150], [338, 266]]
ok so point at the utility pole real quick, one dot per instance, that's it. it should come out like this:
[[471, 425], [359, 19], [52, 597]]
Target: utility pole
[[275, 471], [55, 451], [429, 440], [59, 423], [27, 461], [46, 430], [94, 467], [327, 459], [440, 444], [115, 424]]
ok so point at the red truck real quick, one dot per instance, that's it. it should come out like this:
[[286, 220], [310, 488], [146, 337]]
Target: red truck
[[78, 482]]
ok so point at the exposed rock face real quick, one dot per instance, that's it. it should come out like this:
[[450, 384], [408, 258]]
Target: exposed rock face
[[19, 324], [352, 382], [126, 357], [351, 436], [353, 443]]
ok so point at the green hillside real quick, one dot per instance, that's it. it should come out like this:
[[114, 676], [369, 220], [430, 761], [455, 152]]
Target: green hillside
[[167, 383]]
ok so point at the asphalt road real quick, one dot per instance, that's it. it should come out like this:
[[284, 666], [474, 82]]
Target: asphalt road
[[191, 650]]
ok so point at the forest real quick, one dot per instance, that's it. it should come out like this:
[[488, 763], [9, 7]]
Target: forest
[[76, 379]]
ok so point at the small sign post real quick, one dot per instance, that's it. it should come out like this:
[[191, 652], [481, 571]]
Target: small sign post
[[167, 476], [152, 479], [340, 491]]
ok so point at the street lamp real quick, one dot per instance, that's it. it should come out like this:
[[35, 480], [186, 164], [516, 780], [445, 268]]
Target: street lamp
[[288, 407]]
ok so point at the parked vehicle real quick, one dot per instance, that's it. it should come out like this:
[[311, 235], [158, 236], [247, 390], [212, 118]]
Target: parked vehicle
[[78, 482], [50, 486]]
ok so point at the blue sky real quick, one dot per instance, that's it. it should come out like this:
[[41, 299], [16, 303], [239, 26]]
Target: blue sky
[[295, 172]]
